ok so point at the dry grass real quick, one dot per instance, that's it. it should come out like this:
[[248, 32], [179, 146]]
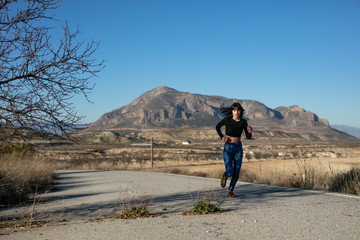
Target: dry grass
[[305, 165], [320, 174], [327, 167], [293, 167], [133, 208], [347, 182], [214, 170], [21, 175], [127, 158], [305, 173]]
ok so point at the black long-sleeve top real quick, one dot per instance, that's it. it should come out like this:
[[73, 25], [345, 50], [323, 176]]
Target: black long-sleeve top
[[233, 128]]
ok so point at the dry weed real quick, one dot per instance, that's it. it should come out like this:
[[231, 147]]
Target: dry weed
[[20, 177], [132, 208], [347, 182], [206, 201]]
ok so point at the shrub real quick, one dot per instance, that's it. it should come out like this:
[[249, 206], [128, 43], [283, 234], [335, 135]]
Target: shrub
[[207, 202], [257, 155], [20, 149], [348, 182], [248, 157], [21, 176], [135, 212], [180, 171], [205, 207], [135, 208], [248, 176], [199, 174]]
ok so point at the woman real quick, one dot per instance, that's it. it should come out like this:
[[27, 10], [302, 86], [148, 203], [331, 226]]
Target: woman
[[235, 124]]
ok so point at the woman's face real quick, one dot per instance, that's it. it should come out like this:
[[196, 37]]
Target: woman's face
[[236, 113]]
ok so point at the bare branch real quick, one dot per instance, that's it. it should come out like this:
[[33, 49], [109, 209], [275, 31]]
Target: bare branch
[[38, 79]]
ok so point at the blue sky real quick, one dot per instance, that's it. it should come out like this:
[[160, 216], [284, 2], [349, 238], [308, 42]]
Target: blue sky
[[279, 52]]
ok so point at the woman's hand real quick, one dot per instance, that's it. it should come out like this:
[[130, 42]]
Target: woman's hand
[[225, 139], [250, 129]]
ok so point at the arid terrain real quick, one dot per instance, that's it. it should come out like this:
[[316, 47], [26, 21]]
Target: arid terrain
[[272, 161], [276, 161], [173, 131], [290, 147], [88, 204]]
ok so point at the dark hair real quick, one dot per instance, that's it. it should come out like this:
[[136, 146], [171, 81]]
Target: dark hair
[[227, 111]]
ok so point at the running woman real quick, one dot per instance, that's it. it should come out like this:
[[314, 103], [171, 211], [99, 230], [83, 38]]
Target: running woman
[[234, 124]]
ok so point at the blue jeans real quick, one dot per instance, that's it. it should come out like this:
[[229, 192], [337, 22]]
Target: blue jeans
[[233, 155]]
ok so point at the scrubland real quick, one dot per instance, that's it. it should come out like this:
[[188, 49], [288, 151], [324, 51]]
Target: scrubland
[[26, 170], [313, 165]]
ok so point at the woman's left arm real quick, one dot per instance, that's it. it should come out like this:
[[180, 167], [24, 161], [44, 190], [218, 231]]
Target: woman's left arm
[[248, 131]]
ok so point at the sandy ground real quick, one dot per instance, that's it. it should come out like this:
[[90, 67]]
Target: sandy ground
[[86, 202]]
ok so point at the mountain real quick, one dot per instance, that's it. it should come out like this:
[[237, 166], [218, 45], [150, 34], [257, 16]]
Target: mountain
[[164, 107], [167, 107], [354, 131]]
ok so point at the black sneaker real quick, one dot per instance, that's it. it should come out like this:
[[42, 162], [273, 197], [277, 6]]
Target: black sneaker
[[223, 181]]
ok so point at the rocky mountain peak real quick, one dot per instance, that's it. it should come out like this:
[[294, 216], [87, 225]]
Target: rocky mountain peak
[[167, 107], [153, 94], [296, 116]]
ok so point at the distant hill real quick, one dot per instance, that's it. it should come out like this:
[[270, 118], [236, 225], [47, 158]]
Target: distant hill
[[354, 131], [164, 107]]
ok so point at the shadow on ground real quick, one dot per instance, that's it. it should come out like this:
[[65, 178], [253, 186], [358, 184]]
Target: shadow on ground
[[248, 196]]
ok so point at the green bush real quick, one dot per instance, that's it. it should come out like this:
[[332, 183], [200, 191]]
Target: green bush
[[135, 212], [135, 208], [205, 207]]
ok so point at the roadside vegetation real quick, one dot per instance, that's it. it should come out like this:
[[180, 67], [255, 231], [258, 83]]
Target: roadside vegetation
[[204, 207], [133, 208], [25, 171], [135, 212], [206, 202], [22, 174], [347, 182], [307, 177], [319, 167]]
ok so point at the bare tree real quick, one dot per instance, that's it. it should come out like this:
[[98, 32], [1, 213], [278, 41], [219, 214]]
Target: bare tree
[[38, 78]]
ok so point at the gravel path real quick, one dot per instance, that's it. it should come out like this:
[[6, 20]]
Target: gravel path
[[86, 202]]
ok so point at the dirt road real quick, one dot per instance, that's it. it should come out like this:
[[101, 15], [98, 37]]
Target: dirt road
[[85, 203]]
